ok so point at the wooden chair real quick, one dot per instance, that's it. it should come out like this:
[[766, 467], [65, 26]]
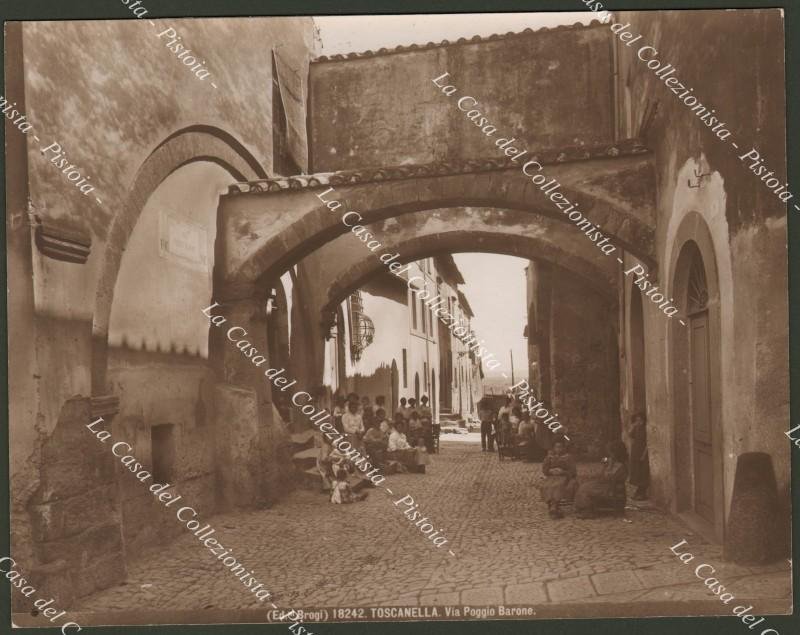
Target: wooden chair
[[509, 449]]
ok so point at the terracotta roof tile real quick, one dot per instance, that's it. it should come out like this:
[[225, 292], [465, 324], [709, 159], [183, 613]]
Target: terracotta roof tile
[[339, 57]]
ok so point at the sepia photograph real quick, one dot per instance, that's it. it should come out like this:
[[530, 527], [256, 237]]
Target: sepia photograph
[[398, 318]]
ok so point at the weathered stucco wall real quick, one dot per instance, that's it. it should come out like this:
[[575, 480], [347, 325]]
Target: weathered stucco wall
[[550, 88], [127, 113], [745, 85]]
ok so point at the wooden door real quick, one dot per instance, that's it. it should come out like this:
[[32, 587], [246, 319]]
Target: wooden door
[[702, 442]]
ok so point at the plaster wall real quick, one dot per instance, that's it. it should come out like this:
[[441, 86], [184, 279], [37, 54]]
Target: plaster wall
[[127, 113], [747, 223], [550, 88]]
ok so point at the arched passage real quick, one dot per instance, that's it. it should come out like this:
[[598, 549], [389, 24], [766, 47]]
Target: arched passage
[[460, 241], [340, 267], [196, 144], [271, 225]]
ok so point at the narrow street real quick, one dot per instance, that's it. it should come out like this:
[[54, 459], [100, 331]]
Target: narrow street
[[312, 554]]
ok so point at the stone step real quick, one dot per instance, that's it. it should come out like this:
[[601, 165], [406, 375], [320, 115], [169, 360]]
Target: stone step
[[302, 438], [308, 453], [306, 459], [310, 479]]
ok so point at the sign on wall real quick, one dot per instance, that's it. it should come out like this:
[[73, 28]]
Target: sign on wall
[[182, 241]]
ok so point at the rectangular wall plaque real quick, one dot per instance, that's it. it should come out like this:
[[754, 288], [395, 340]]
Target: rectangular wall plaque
[[182, 241]]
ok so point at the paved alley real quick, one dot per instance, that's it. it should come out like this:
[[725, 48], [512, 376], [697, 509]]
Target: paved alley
[[507, 552]]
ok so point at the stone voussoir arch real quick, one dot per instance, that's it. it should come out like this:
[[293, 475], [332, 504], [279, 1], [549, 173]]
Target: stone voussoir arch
[[458, 241], [271, 225], [182, 147]]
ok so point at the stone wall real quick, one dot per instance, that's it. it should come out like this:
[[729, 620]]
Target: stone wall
[[583, 363], [548, 88], [75, 512]]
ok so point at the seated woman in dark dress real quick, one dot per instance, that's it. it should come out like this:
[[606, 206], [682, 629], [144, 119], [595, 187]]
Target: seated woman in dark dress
[[560, 478], [526, 433], [608, 490], [377, 441]]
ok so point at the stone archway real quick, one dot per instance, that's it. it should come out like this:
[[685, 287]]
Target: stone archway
[[242, 443], [460, 241], [270, 225], [697, 393], [197, 143]]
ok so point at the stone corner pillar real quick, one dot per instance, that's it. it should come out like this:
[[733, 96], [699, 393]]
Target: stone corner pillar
[[75, 513], [246, 443]]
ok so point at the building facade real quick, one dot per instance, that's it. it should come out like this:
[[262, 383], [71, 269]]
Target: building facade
[[386, 341]]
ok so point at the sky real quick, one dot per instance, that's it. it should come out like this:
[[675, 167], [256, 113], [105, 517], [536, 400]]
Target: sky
[[495, 289], [350, 34], [495, 284]]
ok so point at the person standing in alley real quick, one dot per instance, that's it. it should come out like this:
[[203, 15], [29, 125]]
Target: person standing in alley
[[506, 408], [639, 460], [487, 416], [339, 409], [352, 422], [424, 409], [367, 413], [412, 406], [404, 409]]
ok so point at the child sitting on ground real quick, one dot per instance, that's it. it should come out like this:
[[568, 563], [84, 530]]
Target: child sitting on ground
[[341, 492]]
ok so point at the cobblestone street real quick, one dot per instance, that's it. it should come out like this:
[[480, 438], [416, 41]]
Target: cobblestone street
[[507, 552]]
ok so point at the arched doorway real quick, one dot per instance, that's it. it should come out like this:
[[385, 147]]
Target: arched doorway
[[698, 434]]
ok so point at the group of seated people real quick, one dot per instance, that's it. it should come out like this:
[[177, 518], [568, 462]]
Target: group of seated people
[[513, 429], [517, 435], [603, 492], [391, 446]]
